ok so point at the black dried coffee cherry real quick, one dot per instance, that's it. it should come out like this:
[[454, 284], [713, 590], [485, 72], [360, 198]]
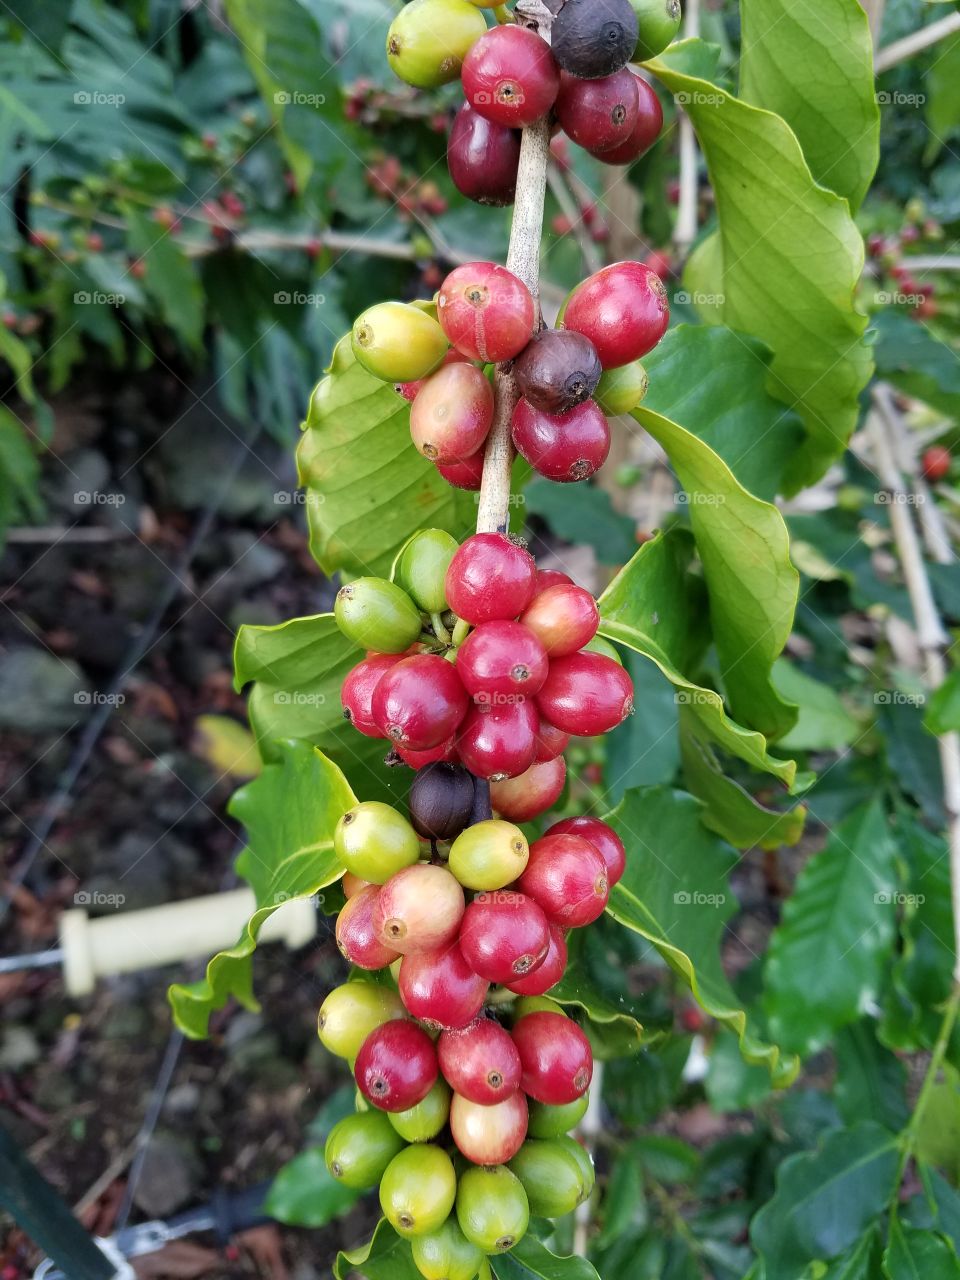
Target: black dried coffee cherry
[[441, 799], [558, 370], [594, 38]]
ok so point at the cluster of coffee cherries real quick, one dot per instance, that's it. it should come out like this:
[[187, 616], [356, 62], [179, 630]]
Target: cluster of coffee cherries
[[569, 378], [512, 78]]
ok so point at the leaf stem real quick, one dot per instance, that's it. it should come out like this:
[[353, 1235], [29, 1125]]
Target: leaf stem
[[439, 630]]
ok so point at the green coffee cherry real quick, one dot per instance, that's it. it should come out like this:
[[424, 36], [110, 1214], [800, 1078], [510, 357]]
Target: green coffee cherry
[[621, 390], [583, 1159], [422, 568], [351, 1012], [446, 1254], [659, 22], [489, 855], [395, 341], [551, 1177], [599, 645], [553, 1122], [428, 41], [377, 614], [536, 1004], [492, 1208], [418, 1190], [425, 1120], [360, 1147], [374, 841]]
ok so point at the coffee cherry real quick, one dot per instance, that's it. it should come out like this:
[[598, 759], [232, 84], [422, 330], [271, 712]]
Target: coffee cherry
[[549, 972], [440, 989], [444, 753], [551, 1177], [359, 1148], [490, 578], [599, 114], [553, 1122], [356, 692], [481, 1062], [489, 855], [531, 793], [584, 693], [563, 618], [504, 936], [620, 390], [429, 39], [484, 310], [377, 614], [418, 1190], [600, 835], [551, 742], [936, 462], [535, 1004], [427, 1117], [374, 841], [499, 741], [564, 448], [658, 21], [583, 1159], [646, 130], [558, 370], [352, 1012], [549, 578], [567, 876], [422, 567], [451, 417], [410, 390], [510, 76], [397, 342], [492, 1208], [489, 1134], [352, 885], [483, 158], [420, 702], [397, 1066], [446, 1254], [356, 935], [465, 474], [622, 310], [594, 38], [555, 1056], [441, 801], [419, 909], [500, 659]]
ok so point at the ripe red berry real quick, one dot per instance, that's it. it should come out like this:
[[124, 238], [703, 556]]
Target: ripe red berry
[[446, 751], [936, 462], [465, 474], [499, 739], [451, 416], [356, 693], [534, 792], [564, 618], [419, 909], [551, 742], [557, 370], [646, 129], [485, 311], [357, 937], [555, 1056], [510, 77], [489, 1134], [547, 578], [567, 876], [622, 309], [440, 988], [483, 158], [546, 976], [584, 693], [599, 114], [420, 702], [396, 1066], [499, 659], [490, 578], [504, 935], [562, 447], [599, 834], [481, 1063]]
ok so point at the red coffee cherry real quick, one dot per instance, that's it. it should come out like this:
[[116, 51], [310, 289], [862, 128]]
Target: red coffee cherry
[[599, 114], [557, 370], [504, 935], [566, 447], [622, 310], [602, 836], [446, 751], [397, 1066], [483, 158], [352, 885], [484, 310], [481, 1063], [499, 659], [936, 462], [567, 876], [440, 988], [357, 937], [534, 792], [489, 1134], [510, 77], [646, 131], [549, 578], [499, 739], [563, 618], [490, 578], [356, 693], [584, 693], [451, 416], [547, 975], [419, 909], [551, 742], [420, 702], [465, 474], [555, 1057]]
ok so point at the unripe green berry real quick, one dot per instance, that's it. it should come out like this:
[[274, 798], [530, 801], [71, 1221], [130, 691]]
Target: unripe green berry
[[422, 568], [583, 1158], [360, 1147], [425, 1120], [375, 842], [418, 1190], [397, 342], [351, 1012], [489, 855], [492, 1208], [659, 22], [620, 390], [553, 1122], [377, 614], [446, 1254], [429, 39], [551, 1177]]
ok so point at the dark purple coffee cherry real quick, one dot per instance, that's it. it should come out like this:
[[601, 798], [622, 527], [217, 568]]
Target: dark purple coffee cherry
[[441, 800], [558, 370], [594, 38], [483, 158]]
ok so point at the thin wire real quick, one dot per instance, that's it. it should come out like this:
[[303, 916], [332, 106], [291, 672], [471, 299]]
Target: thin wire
[[158, 1097]]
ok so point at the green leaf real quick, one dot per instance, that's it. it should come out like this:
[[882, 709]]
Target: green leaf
[[368, 487], [665, 1158], [860, 1262], [290, 812], [914, 1254], [386, 1257], [817, 75], [305, 1193], [824, 1199], [614, 1030], [938, 1134], [871, 1081], [942, 107], [917, 362], [823, 722], [531, 1260], [942, 714], [682, 904], [789, 257], [170, 279], [825, 959], [644, 750], [583, 514], [19, 474]]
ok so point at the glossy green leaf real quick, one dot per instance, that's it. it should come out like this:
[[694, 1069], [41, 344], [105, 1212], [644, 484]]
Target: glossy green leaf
[[942, 712], [823, 722], [871, 1081], [644, 750], [531, 1260], [860, 1262], [387, 1256], [942, 107], [19, 474], [915, 1254], [938, 1133], [583, 513], [681, 904], [614, 1029], [305, 1193], [289, 812]]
